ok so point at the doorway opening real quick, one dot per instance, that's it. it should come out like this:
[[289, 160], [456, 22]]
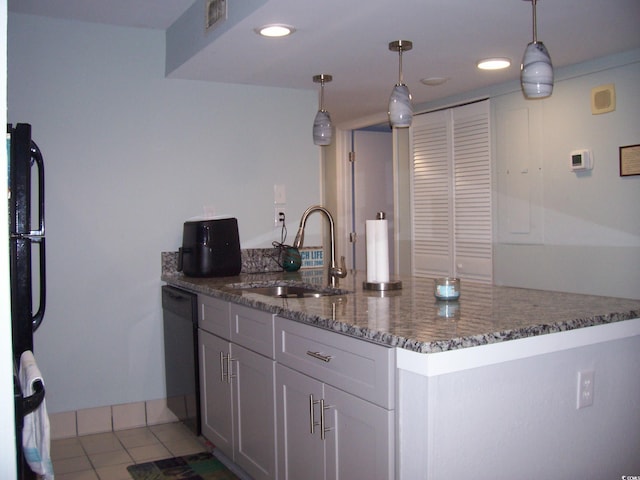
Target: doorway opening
[[371, 165]]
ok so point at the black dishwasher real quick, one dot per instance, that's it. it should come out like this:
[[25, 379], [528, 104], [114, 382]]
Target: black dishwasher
[[180, 315]]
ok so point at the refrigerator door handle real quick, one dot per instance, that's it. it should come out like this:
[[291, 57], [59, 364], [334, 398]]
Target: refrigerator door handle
[[36, 157], [39, 315], [31, 403], [38, 236]]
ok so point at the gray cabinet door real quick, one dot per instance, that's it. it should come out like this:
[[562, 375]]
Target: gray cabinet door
[[300, 452], [215, 392], [254, 407], [360, 438], [358, 435]]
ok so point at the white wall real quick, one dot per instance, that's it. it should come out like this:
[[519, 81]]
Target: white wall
[[129, 155], [560, 230]]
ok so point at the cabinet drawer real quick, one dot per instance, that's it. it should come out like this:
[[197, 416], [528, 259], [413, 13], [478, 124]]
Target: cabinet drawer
[[355, 366], [253, 329], [213, 316]]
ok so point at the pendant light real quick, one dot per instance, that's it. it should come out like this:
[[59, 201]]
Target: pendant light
[[536, 70], [400, 108], [322, 128]]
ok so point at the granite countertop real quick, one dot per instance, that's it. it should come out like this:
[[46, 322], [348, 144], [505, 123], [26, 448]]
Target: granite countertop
[[411, 317]]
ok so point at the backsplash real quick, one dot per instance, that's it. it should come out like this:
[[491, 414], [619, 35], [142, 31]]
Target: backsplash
[[254, 260]]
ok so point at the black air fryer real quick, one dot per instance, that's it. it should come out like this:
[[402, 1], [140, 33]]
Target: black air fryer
[[210, 248]]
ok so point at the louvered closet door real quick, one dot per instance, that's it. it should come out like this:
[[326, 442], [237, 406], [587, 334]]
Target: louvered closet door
[[452, 193], [432, 191]]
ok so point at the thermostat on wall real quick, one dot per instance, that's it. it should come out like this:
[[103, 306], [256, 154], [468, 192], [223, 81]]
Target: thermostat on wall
[[581, 160]]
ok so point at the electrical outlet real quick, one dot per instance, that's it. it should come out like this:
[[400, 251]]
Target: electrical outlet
[[278, 216], [585, 388]]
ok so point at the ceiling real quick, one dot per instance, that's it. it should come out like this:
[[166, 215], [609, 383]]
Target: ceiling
[[349, 40]]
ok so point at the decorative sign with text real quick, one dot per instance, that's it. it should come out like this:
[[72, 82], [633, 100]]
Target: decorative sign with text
[[312, 258]]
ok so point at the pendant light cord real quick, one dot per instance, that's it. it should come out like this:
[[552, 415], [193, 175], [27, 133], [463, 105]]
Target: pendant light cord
[[535, 26]]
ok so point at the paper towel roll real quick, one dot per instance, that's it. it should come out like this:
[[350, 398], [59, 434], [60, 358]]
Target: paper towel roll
[[377, 238], [382, 251], [371, 250]]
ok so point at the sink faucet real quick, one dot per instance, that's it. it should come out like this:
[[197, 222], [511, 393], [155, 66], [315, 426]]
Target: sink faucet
[[335, 272]]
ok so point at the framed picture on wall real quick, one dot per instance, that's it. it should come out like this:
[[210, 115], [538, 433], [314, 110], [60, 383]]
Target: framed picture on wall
[[630, 160]]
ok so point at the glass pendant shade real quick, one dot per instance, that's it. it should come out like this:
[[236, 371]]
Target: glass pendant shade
[[536, 70], [400, 107], [322, 128], [322, 131]]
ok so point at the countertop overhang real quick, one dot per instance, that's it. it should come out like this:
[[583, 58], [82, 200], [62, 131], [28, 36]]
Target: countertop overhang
[[411, 318]]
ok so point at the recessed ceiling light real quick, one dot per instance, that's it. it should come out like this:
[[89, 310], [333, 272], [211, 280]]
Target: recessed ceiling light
[[434, 81], [494, 63], [275, 30]]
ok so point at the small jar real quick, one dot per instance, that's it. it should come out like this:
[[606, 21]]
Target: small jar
[[447, 288]]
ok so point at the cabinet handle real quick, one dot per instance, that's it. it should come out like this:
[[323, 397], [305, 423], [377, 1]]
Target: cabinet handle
[[319, 356], [312, 420], [222, 379], [225, 364], [229, 370], [323, 428]]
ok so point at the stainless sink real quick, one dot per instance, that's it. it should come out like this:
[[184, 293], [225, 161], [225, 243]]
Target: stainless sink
[[288, 290]]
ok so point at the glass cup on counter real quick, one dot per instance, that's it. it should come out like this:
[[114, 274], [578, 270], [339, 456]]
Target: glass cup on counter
[[447, 288]]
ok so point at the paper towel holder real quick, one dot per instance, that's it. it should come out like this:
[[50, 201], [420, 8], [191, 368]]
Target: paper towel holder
[[382, 286]]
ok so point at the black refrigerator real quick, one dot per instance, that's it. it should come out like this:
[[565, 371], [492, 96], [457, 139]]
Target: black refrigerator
[[27, 265]]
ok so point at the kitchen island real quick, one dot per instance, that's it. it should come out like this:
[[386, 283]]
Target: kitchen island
[[411, 318], [487, 386]]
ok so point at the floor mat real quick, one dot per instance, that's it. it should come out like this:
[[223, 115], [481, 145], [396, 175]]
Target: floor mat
[[199, 466]]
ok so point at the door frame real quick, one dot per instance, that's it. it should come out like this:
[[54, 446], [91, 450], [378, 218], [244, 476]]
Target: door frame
[[402, 231]]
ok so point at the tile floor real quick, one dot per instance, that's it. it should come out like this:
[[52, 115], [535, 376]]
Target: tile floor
[[105, 456]]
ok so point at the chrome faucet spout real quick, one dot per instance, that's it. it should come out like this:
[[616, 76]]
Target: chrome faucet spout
[[299, 240], [335, 271]]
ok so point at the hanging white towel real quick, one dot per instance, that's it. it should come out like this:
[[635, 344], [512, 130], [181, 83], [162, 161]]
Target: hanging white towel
[[36, 438]]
